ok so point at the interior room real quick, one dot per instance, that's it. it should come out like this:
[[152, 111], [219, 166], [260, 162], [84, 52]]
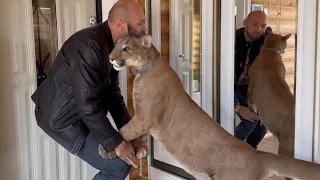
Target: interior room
[[195, 37]]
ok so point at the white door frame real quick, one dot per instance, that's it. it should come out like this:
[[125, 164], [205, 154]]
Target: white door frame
[[243, 8], [305, 76], [305, 84], [227, 65], [317, 97]]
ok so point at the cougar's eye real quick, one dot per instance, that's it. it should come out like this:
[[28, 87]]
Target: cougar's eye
[[127, 49]]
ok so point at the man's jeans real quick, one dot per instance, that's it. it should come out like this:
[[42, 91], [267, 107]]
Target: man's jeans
[[110, 169], [250, 132]]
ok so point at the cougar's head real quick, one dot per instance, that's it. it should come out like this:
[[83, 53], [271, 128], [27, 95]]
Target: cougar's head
[[275, 41], [131, 51]]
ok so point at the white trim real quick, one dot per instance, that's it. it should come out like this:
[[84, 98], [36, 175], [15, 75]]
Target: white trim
[[156, 41], [159, 174], [106, 6], [317, 95], [243, 9], [174, 33], [156, 24], [304, 92], [207, 56], [227, 65]]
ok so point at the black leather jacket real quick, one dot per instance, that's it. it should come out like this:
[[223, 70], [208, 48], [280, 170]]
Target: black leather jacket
[[241, 50], [81, 88]]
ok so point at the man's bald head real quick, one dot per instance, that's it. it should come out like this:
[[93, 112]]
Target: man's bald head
[[257, 14], [255, 25], [123, 9], [127, 16], [118, 11]]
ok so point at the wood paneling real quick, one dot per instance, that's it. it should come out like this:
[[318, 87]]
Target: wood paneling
[[282, 13], [164, 46], [284, 3], [165, 8], [289, 55], [196, 41], [283, 27], [165, 26], [282, 18]]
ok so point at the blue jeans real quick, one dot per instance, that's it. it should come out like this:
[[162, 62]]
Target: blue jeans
[[110, 169], [250, 132]]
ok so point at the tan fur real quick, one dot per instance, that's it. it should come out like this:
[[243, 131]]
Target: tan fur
[[269, 93], [200, 144]]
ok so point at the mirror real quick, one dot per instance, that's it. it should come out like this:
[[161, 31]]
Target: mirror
[[45, 36], [282, 18]]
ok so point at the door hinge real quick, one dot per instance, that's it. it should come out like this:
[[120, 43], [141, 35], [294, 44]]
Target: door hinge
[[93, 20]]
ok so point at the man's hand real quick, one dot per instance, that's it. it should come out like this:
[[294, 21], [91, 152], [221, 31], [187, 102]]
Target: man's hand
[[126, 152], [247, 114]]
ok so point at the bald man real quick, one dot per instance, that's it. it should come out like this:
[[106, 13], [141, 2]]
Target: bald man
[[249, 40], [82, 87]]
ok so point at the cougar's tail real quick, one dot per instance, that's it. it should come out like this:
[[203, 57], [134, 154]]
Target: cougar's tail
[[290, 167]]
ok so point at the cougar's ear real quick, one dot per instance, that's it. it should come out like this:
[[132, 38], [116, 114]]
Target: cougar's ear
[[146, 41], [285, 38], [268, 30]]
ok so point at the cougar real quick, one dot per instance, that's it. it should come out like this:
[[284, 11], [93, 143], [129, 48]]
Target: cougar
[[188, 133], [270, 95]]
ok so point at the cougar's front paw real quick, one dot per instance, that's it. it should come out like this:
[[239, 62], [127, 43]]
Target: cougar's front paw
[[105, 154], [140, 146]]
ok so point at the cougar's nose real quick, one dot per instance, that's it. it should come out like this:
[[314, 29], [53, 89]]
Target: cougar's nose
[[111, 58]]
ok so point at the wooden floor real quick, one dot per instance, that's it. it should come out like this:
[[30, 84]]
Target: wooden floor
[[270, 144]]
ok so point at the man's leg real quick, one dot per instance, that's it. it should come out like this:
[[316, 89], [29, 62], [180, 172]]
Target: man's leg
[[110, 169], [244, 129], [257, 135]]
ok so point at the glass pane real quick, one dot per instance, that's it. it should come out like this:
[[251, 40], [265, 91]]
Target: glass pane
[[282, 18], [45, 36]]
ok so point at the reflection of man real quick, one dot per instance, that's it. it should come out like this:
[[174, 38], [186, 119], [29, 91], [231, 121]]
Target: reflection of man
[[249, 40], [81, 88]]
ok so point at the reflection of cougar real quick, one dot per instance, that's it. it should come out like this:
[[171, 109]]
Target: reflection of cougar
[[269, 93], [200, 144]]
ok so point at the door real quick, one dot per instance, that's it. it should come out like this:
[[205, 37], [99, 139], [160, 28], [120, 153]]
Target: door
[[54, 22], [188, 41]]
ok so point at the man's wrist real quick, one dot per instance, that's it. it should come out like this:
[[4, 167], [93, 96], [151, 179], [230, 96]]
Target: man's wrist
[[237, 108]]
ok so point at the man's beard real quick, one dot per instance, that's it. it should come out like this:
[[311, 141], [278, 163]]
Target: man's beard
[[130, 31], [253, 38]]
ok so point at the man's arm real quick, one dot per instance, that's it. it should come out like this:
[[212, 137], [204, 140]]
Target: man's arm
[[117, 108], [87, 81]]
